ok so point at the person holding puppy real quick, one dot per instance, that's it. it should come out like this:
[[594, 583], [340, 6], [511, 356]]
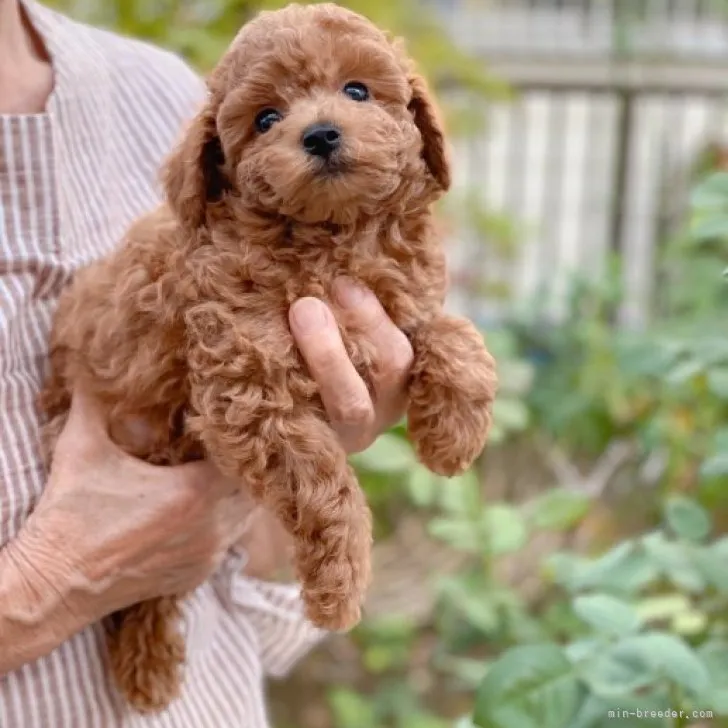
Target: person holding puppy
[[86, 118]]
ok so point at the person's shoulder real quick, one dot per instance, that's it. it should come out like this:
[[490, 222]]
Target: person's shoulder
[[148, 80], [156, 78]]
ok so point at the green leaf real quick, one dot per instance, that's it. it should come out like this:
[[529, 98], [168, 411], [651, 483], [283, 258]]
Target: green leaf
[[424, 486], [422, 720], [479, 609], [625, 569], [615, 674], [685, 372], [607, 614], [516, 377], [711, 193], [714, 655], [718, 382], [689, 623], [379, 658], [460, 533], [663, 654], [529, 687], [506, 529], [709, 228], [584, 649], [663, 606], [716, 700], [712, 563], [351, 710], [388, 454], [687, 518], [715, 466], [510, 414], [677, 609], [674, 561], [466, 670], [560, 509], [461, 495], [720, 441], [711, 350]]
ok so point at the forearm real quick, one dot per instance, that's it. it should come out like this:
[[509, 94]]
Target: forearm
[[35, 616]]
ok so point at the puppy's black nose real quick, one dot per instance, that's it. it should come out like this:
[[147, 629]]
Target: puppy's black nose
[[321, 140]]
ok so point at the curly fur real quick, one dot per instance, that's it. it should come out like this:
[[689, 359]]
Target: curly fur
[[185, 325]]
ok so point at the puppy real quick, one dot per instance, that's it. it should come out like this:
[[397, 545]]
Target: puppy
[[318, 154]]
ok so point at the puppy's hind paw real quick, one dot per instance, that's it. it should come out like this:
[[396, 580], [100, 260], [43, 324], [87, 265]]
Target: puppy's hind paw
[[147, 655]]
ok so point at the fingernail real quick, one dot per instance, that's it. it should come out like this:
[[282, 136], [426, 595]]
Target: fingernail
[[348, 293], [309, 314]]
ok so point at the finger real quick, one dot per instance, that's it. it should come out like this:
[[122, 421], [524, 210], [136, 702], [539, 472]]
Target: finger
[[86, 429], [344, 393], [393, 354], [86, 408]]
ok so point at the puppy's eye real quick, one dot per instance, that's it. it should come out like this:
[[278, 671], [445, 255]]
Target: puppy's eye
[[266, 118], [356, 91]]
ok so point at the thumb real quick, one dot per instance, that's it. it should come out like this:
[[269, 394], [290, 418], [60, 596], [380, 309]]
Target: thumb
[[86, 426]]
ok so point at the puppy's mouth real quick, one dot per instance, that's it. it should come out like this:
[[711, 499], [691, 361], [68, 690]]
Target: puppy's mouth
[[332, 167]]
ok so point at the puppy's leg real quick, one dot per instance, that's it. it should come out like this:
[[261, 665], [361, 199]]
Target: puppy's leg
[[296, 467], [315, 493], [147, 653], [452, 388]]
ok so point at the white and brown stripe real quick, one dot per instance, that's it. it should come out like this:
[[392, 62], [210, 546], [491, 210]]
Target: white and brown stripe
[[71, 180]]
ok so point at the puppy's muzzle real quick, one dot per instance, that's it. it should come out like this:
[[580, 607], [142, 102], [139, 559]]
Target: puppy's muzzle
[[321, 140]]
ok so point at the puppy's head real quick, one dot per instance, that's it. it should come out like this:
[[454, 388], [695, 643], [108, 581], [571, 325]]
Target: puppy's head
[[314, 114]]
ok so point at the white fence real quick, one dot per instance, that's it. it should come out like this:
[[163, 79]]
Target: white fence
[[592, 156]]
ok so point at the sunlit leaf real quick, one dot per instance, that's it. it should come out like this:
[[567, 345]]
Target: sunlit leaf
[[663, 654], [560, 509], [687, 518], [674, 562], [388, 454], [529, 687], [663, 606], [607, 614], [712, 193], [505, 528]]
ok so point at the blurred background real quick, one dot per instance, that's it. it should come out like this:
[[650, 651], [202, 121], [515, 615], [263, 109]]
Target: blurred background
[[578, 576]]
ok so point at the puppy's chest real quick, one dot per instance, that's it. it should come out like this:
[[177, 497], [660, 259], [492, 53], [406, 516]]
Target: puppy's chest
[[321, 282], [319, 277]]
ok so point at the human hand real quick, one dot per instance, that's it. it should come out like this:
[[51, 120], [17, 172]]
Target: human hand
[[356, 416], [111, 530]]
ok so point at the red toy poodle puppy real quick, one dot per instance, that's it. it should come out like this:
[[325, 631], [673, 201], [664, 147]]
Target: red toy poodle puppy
[[318, 155]]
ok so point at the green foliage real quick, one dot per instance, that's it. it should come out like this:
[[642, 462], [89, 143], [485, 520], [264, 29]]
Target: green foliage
[[666, 388], [647, 644], [643, 626]]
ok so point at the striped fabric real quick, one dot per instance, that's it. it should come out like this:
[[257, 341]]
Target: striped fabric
[[71, 180]]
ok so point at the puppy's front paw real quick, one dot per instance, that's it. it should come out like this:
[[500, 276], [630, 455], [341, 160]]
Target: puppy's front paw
[[334, 567], [452, 390], [335, 613]]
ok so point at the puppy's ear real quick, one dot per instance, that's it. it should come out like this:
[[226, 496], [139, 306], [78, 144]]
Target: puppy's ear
[[193, 175], [427, 120]]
